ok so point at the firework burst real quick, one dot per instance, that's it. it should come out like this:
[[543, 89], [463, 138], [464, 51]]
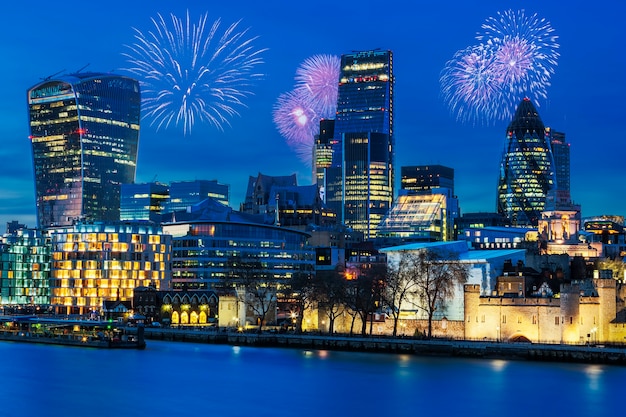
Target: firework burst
[[296, 120], [297, 114], [516, 57], [193, 72], [318, 77]]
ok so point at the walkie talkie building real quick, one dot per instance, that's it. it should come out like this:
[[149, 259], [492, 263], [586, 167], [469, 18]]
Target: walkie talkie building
[[84, 132]]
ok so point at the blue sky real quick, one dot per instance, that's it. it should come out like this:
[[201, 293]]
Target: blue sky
[[585, 99]]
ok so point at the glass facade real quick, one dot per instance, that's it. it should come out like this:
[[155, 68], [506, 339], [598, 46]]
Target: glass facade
[[143, 201], [25, 268], [187, 193], [323, 154], [360, 182], [203, 252], [84, 131], [426, 177], [93, 263], [561, 153], [527, 170]]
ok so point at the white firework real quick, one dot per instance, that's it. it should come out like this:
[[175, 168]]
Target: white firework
[[193, 72]]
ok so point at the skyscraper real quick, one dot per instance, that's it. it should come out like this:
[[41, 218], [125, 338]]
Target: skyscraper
[[561, 198], [527, 170], [359, 186], [84, 132], [323, 154]]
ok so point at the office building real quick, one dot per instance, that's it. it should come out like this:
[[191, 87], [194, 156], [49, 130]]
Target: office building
[[143, 202], [359, 185], [84, 131], [323, 155], [97, 262], [527, 175], [184, 194], [209, 236], [24, 268], [421, 178]]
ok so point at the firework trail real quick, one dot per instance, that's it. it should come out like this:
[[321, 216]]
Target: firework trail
[[193, 72], [297, 113], [516, 57], [318, 77]]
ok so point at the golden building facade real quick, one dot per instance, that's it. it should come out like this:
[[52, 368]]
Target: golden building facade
[[92, 263]]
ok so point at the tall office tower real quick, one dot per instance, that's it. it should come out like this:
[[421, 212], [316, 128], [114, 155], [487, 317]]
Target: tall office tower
[[143, 201], [417, 179], [359, 186], [561, 153], [84, 131], [527, 170], [323, 154], [184, 194]]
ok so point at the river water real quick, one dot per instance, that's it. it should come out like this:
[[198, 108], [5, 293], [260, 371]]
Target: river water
[[175, 379]]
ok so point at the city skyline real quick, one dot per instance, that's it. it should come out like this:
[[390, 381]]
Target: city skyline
[[583, 102]]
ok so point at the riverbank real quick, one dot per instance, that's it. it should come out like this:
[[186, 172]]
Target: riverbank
[[432, 347]]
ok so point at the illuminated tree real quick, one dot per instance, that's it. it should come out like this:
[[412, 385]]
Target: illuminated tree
[[401, 286], [436, 275], [330, 295]]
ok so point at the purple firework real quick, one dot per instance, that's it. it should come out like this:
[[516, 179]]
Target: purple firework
[[318, 79], [297, 122], [526, 50], [515, 59], [470, 84]]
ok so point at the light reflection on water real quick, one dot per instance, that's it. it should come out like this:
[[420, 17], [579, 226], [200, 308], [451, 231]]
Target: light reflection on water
[[171, 378]]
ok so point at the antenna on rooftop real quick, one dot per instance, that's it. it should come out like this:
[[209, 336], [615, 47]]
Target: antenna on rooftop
[[53, 75]]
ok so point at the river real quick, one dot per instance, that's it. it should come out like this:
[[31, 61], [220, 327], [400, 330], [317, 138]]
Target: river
[[175, 378]]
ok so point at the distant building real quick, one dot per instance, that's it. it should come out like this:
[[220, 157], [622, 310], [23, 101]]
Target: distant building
[[143, 201], [97, 262], [323, 155], [84, 132], [479, 220], [299, 207], [423, 178], [360, 182], [527, 175], [187, 193], [425, 217]]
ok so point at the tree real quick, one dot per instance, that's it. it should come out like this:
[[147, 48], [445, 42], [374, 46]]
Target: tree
[[363, 294], [303, 289], [401, 286], [254, 288], [330, 289], [437, 274]]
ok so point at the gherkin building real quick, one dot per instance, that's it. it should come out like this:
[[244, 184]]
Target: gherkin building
[[527, 173]]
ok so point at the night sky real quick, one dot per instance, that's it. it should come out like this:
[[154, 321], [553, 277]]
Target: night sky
[[585, 99]]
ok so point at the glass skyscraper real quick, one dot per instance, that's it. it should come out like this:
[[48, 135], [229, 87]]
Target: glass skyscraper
[[359, 184], [84, 132], [527, 173]]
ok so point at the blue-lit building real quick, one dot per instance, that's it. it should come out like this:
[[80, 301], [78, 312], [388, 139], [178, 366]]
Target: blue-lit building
[[527, 175], [143, 202], [187, 193], [359, 184], [209, 237], [84, 131], [25, 268]]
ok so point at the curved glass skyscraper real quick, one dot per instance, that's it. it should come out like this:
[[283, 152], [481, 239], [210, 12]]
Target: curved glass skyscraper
[[84, 132], [527, 170]]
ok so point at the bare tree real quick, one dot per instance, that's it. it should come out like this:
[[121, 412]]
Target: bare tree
[[363, 294], [330, 288], [401, 286], [254, 288], [304, 294], [437, 275]]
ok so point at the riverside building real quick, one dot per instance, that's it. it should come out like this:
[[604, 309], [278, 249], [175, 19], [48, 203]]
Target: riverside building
[[97, 262], [84, 131]]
